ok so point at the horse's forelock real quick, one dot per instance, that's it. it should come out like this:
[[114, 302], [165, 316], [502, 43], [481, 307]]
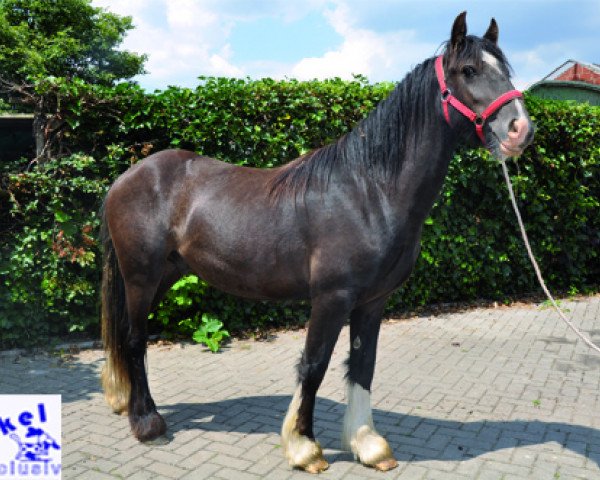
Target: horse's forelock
[[471, 53]]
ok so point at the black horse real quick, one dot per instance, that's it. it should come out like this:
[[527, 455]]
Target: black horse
[[340, 226]]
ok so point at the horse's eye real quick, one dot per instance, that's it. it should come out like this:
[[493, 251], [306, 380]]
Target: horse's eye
[[469, 71]]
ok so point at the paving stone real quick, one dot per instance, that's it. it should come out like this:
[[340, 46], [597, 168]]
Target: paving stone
[[166, 470], [143, 475], [231, 474], [518, 399]]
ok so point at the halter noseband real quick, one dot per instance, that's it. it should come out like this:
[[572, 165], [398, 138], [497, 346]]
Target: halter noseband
[[478, 120]]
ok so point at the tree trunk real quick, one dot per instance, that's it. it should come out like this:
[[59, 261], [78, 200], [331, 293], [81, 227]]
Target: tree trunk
[[39, 132]]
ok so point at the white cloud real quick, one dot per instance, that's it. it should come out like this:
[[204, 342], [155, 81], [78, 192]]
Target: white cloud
[[188, 38], [122, 7], [190, 18], [219, 62], [182, 39], [245, 10], [533, 64], [379, 56]]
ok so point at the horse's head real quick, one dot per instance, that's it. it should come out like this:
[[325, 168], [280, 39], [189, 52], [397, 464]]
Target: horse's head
[[477, 94]]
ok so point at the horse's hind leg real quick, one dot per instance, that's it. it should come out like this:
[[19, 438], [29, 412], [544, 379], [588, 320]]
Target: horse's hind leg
[[143, 266], [115, 374], [146, 423], [174, 269], [329, 313], [359, 434]]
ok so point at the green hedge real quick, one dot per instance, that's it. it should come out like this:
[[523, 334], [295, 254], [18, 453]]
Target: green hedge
[[50, 260]]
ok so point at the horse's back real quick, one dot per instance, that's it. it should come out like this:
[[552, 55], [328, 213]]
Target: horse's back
[[236, 236], [163, 177], [220, 218]]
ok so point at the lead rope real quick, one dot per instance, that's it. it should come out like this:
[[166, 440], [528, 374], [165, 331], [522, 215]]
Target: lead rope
[[578, 332]]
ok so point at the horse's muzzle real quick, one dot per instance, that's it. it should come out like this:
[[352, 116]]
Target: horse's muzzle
[[520, 136]]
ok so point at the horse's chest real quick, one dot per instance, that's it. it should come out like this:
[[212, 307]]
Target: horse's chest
[[392, 268]]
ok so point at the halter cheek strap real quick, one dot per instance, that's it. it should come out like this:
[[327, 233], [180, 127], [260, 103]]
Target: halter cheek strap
[[449, 99]]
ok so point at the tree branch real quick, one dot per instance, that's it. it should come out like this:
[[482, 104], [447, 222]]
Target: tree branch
[[25, 90]]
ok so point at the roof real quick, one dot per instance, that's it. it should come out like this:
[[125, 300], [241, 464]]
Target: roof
[[557, 72]]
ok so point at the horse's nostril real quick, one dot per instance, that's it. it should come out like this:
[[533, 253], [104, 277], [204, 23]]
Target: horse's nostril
[[518, 129]]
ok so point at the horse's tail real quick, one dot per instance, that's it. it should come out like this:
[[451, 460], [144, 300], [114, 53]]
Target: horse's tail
[[115, 326]]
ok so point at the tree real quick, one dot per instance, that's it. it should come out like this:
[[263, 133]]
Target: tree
[[63, 39]]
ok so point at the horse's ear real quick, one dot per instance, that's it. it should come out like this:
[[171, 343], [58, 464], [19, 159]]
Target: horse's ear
[[459, 31], [492, 32]]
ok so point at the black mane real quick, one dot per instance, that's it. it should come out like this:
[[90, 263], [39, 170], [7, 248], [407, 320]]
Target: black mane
[[376, 146]]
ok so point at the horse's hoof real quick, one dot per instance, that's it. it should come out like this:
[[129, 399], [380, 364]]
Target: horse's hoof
[[385, 465], [147, 427], [317, 466], [304, 453], [371, 449]]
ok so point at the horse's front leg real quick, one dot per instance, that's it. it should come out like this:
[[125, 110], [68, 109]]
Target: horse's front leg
[[359, 434], [328, 315]]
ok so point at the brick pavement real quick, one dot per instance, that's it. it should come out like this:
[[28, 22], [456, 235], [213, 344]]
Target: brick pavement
[[502, 393]]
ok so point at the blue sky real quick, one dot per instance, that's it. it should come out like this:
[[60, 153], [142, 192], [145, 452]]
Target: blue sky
[[381, 39]]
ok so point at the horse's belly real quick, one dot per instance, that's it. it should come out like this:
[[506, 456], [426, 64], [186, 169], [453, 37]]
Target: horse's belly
[[250, 265], [252, 281]]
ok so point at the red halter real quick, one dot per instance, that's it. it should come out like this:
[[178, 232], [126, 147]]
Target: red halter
[[478, 120]]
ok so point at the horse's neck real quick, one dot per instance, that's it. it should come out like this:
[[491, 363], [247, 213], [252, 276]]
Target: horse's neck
[[404, 169], [422, 176], [423, 167], [427, 144]]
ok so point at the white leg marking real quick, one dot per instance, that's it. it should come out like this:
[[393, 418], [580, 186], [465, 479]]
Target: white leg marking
[[300, 450], [358, 433]]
